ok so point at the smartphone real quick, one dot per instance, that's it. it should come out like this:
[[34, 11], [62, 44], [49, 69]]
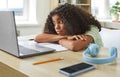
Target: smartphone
[[77, 69]]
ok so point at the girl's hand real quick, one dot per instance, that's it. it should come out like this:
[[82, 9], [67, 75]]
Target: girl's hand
[[77, 37]]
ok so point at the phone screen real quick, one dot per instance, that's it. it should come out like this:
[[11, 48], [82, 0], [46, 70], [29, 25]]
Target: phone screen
[[76, 67]]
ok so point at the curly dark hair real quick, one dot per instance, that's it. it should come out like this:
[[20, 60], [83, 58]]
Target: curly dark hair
[[76, 20]]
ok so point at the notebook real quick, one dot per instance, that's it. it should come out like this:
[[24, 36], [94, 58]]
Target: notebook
[[9, 42]]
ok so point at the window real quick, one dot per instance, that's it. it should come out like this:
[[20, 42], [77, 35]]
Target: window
[[24, 9], [8, 5], [100, 9]]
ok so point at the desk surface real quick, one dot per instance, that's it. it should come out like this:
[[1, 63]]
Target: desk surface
[[25, 67]]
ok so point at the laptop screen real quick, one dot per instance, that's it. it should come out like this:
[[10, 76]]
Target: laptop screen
[[8, 32]]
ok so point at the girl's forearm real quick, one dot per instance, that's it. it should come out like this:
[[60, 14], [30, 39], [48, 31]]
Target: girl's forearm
[[48, 38], [76, 45]]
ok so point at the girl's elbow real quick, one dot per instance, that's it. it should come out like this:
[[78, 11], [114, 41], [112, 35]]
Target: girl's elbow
[[36, 40], [74, 47]]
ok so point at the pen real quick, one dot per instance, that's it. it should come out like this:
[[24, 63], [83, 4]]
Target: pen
[[46, 61]]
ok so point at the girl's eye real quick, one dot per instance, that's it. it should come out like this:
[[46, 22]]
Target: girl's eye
[[58, 22], [61, 22]]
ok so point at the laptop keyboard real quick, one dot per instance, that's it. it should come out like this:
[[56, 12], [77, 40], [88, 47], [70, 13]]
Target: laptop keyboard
[[24, 50]]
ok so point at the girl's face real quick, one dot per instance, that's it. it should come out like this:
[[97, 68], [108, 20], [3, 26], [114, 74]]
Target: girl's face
[[59, 25]]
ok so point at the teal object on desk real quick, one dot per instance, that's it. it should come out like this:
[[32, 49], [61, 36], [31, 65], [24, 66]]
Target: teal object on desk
[[93, 50]]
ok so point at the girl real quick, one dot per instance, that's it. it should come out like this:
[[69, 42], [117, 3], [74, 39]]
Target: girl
[[71, 27]]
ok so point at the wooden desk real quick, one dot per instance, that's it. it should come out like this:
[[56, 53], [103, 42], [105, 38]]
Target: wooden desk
[[24, 67]]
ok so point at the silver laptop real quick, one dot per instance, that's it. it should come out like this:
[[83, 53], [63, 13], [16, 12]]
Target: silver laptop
[[9, 41]]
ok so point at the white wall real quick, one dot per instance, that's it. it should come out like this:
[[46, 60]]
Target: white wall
[[43, 9], [110, 38]]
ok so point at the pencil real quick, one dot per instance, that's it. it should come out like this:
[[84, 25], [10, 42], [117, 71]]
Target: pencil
[[46, 61]]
